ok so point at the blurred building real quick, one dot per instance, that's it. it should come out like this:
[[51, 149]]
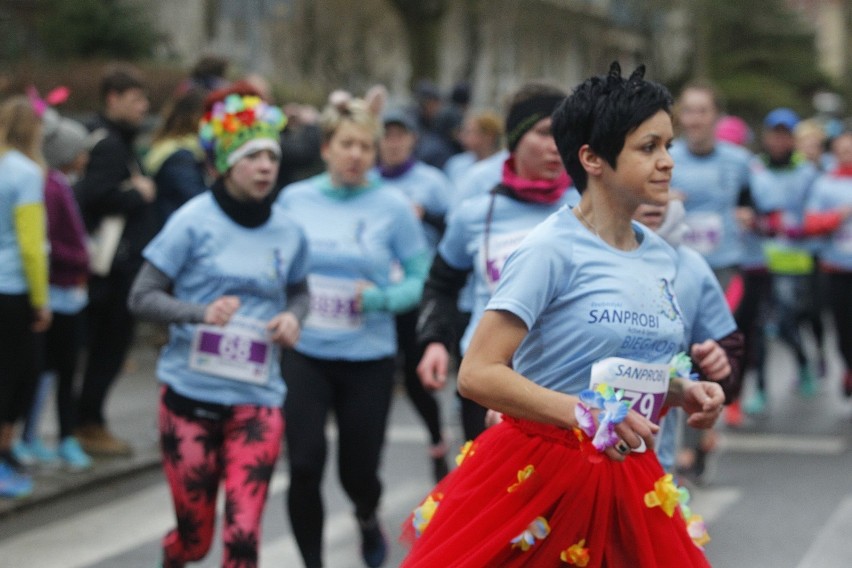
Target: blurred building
[[315, 45], [831, 21]]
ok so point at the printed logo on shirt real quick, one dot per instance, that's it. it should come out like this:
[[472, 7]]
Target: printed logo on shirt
[[669, 308]]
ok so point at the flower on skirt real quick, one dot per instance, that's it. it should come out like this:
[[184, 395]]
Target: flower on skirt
[[424, 513], [523, 475], [576, 554], [665, 495], [538, 529], [466, 450], [697, 531], [694, 523]]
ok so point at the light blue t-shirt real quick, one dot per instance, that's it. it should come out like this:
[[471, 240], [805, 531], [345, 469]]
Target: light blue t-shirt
[[68, 300], [207, 255], [786, 189], [480, 178], [712, 185], [831, 192], [427, 187], [753, 255], [358, 237], [464, 248], [584, 301], [21, 183], [706, 316], [457, 165]]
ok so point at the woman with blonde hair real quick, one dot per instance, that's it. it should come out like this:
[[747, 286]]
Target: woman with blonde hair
[[176, 159], [344, 362], [23, 276]]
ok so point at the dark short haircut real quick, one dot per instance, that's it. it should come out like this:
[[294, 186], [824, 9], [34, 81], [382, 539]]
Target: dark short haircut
[[119, 79], [601, 112], [532, 90], [210, 66]]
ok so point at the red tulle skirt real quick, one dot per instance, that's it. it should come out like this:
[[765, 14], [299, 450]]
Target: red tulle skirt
[[525, 494]]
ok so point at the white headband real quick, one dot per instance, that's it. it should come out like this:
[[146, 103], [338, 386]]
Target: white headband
[[252, 146]]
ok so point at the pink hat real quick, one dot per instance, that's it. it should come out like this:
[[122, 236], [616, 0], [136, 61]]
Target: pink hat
[[733, 129]]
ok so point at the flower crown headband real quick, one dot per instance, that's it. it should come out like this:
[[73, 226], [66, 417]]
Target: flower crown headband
[[235, 120]]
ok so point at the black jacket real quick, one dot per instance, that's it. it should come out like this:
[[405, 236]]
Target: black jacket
[[104, 190]]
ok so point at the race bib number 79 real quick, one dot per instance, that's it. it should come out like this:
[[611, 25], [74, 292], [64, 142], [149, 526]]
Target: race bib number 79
[[644, 384]]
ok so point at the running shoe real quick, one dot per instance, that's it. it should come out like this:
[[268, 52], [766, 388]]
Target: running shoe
[[72, 455], [14, 485], [756, 404], [22, 454], [374, 544], [807, 383], [43, 454], [97, 440], [734, 415]]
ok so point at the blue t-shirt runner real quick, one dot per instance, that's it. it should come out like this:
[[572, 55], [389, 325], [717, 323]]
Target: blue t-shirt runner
[[354, 236]]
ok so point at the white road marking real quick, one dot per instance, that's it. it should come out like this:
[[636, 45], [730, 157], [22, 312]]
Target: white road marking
[[783, 444]]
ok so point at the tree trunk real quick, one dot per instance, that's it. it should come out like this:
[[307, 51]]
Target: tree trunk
[[422, 21]]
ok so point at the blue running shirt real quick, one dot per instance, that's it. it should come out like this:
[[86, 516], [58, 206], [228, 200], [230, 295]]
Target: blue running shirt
[[463, 245], [584, 301], [354, 238], [712, 185], [207, 255], [831, 192]]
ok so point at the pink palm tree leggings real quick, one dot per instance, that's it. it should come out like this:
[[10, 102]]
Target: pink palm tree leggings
[[202, 445]]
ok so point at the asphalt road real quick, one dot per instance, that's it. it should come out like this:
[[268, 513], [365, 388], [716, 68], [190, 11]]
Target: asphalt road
[[780, 495]]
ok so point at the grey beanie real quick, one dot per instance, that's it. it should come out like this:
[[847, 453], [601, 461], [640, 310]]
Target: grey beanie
[[64, 139]]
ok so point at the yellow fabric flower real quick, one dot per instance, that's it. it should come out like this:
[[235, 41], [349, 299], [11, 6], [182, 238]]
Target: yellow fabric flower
[[523, 475], [576, 554], [466, 450], [424, 513], [665, 495], [251, 101], [538, 529]]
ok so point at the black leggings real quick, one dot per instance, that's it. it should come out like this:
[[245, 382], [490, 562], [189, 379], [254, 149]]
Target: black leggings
[[411, 352], [110, 334], [840, 301], [62, 349], [751, 317], [359, 395], [19, 357]]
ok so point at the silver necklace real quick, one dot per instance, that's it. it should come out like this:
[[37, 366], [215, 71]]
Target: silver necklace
[[586, 221]]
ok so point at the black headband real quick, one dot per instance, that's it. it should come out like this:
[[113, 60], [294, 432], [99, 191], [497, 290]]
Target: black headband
[[524, 115]]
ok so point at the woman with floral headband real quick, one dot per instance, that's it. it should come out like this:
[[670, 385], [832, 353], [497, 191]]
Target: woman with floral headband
[[574, 348], [228, 273]]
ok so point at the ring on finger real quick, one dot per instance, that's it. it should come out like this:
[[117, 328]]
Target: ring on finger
[[622, 448]]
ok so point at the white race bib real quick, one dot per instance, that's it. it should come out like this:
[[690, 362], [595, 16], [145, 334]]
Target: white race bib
[[240, 351], [333, 304], [645, 385], [499, 249], [704, 233]]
